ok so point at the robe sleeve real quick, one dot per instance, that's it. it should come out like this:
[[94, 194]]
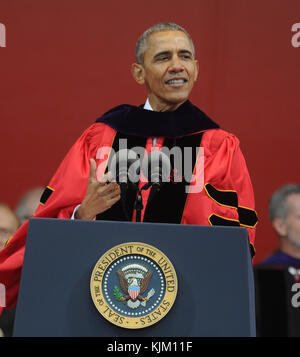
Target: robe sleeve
[[64, 192], [227, 182], [227, 197]]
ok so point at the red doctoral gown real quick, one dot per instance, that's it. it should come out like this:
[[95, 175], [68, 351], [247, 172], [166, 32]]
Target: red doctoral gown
[[223, 194]]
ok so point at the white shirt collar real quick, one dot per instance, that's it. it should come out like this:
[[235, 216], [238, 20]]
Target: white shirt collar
[[148, 105]]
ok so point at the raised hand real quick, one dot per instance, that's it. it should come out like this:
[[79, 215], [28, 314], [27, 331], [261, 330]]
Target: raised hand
[[100, 195]]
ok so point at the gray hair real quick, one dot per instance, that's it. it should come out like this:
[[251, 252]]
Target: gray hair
[[141, 45], [278, 207]]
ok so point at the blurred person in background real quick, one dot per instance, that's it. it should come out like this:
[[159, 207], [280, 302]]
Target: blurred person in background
[[29, 203], [9, 223], [284, 212], [277, 277]]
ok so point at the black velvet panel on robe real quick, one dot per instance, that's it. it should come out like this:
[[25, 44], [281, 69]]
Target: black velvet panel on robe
[[181, 128], [132, 120]]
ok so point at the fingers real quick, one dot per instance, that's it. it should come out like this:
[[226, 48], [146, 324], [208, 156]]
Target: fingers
[[109, 195], [111, 201], [93, 170], [106, 178], [109, 188]]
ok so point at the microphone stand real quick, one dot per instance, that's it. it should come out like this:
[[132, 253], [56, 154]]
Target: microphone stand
[[124, 187], [138, 205]]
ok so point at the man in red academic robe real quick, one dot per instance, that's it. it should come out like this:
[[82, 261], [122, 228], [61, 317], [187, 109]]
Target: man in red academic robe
[[220, 192]]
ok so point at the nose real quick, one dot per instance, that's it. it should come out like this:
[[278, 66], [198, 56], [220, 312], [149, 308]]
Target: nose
[[176, 65]]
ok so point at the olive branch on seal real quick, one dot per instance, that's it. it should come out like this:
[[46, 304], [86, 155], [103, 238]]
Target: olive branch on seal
[[117, 293]]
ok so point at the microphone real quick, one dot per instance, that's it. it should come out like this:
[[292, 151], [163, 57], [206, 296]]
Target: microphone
[[125, 168], [156, 167]]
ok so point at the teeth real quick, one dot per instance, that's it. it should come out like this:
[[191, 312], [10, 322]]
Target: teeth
[[175, 81]]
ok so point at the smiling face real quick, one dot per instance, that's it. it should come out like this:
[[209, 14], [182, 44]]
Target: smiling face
[[169, 70]]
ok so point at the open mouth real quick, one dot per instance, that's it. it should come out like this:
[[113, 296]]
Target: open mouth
[[176, 82]]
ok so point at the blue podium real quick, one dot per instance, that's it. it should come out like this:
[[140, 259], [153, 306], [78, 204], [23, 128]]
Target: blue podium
[[215, 296]]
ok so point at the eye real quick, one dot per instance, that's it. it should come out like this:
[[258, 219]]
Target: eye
[[162, 58], [185, 57]]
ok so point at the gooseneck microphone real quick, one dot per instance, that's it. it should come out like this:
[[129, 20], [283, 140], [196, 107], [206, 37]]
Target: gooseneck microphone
[[156, 167], [125, 169]]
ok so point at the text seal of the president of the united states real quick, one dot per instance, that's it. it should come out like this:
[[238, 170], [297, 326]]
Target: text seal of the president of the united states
[[133, 285]]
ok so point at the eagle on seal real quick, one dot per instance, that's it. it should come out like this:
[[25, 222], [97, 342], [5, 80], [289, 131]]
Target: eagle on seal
[[134, 281]]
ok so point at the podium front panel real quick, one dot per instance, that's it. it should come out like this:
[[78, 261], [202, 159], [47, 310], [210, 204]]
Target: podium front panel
[[213, 266]]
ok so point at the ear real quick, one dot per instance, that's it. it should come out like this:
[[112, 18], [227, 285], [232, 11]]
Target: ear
[[138, 73], [280, 227]]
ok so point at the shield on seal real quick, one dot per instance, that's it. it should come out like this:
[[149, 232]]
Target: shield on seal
[[133, 292]]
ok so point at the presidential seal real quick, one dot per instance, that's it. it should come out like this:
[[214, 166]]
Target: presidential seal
[[133, 285]]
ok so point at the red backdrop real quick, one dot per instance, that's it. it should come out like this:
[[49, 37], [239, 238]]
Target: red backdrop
[[68, 61]]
